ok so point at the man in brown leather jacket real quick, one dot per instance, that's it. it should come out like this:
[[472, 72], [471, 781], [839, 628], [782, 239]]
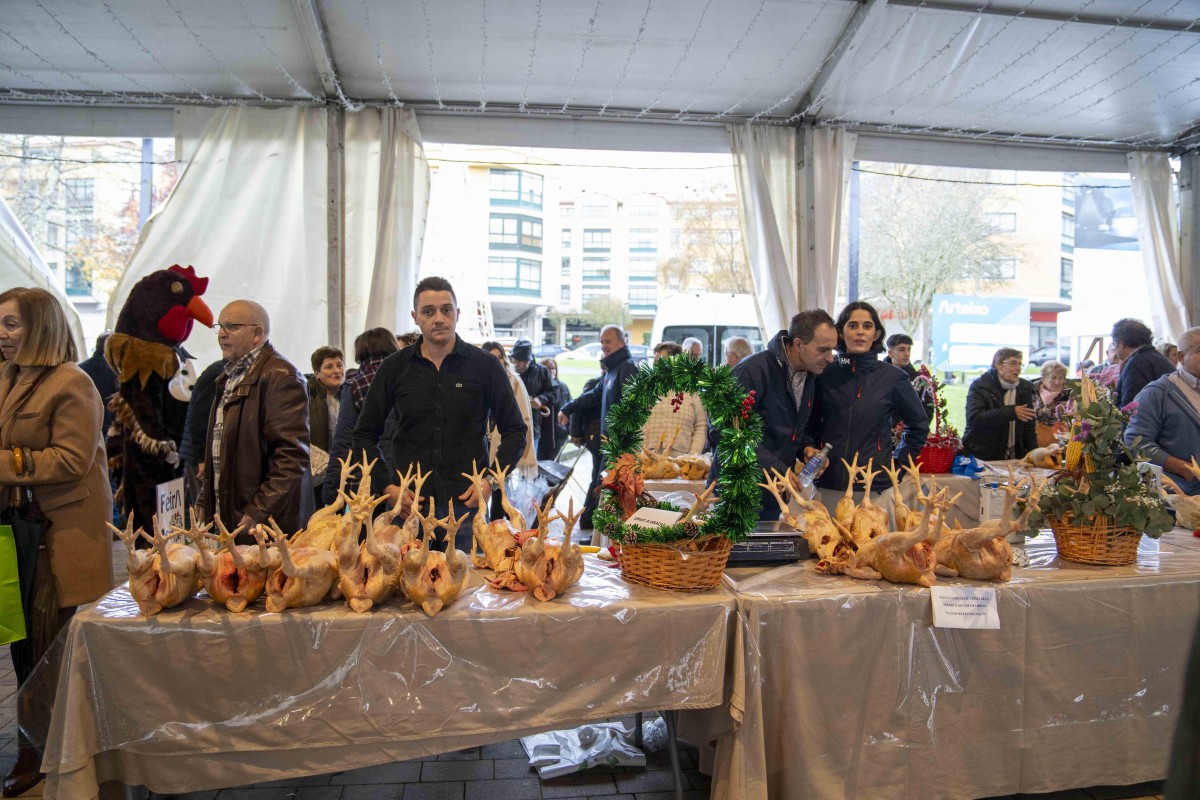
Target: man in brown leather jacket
[[256, 458]]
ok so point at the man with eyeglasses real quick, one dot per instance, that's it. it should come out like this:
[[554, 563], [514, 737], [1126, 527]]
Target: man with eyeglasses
[[1000, 415], [256, 459]]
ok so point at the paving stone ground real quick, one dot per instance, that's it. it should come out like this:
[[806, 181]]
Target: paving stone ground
[[492, 772]]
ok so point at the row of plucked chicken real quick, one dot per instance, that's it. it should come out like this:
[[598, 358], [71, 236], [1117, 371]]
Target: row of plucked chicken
[[864, 541], [332, 559]]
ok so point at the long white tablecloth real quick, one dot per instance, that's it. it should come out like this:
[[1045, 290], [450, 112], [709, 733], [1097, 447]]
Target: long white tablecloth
[[850, 692], [198, 698]]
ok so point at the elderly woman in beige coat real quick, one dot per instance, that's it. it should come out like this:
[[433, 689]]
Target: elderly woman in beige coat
[[51, 443]]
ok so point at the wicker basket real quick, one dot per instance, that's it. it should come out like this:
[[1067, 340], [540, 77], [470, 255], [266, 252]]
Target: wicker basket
[[1102, 542], [688, 566], [936, 460]]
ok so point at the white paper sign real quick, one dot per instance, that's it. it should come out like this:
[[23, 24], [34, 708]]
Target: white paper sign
[[969, 607], [169, 502], [653, 517]]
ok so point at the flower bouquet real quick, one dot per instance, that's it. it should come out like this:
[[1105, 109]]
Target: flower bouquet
[[1103, 500]]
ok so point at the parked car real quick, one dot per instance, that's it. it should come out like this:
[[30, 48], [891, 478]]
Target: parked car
[[1049, 352], [639, 353], [585, 352], [548, 351]]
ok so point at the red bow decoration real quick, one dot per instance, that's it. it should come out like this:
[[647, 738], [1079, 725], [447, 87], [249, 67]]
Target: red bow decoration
[[625, 480]]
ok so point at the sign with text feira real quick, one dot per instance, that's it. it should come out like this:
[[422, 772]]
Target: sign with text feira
[[968, 329], [169, 502]]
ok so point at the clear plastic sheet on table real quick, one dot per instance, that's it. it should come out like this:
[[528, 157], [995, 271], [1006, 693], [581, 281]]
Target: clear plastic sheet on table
[[197, 697], [850, 692]]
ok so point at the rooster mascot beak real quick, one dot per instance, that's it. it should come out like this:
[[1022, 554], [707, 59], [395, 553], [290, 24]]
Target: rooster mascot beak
[[200, 311]]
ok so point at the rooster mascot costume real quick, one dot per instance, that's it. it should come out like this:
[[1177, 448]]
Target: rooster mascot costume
[[145, 350]]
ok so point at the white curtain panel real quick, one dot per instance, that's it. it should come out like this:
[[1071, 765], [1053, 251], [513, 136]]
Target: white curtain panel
[[764, 162], [833, 152], [248, 212], [1158, 237], [22, 265], [387, 201]]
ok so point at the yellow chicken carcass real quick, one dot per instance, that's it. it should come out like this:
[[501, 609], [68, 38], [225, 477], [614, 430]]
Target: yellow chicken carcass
[[324, 525], [163, 577], [305, 576], [983, 553], [430, 579], [1187, 507], [897, 556], [547, 567], [868, 521], [845, 507], [814, 522]]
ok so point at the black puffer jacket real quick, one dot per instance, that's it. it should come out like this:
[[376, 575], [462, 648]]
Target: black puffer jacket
[[607, 393], [856, 398], [785, 427], [986, 436], [1143, 366]]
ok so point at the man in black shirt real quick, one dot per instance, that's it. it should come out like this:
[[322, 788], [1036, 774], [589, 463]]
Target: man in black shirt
[[442, 391]]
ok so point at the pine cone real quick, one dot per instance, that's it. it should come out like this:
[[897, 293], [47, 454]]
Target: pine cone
[[691, 529], [610, 530], [631, 536]]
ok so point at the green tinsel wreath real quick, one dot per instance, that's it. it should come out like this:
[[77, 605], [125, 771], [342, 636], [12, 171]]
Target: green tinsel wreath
[[730, 410]]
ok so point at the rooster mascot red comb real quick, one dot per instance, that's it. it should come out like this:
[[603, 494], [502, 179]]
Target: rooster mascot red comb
[[145, 350]]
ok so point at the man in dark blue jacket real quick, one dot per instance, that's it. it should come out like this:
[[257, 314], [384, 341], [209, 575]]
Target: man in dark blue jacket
[[1140, 362], [782, 378], [603, 396]]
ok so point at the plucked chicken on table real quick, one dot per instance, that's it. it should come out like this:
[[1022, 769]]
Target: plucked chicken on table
[[162, 577], [305, 575], [326, 523], [499, 540], [366, 576], [897, 556], [1187, 507], [430, 579], [547, 567], [867, 521], [983, 553], [233, 575], [814, 522]]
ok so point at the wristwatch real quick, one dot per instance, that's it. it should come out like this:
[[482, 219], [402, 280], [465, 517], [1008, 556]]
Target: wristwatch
[[495, 484]]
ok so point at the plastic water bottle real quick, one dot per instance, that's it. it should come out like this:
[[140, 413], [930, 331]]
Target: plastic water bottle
[[810, 469]]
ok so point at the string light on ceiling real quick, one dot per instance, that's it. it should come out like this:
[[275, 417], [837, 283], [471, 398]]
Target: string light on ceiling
[[587, 44], [437, 90], [387, 82], [270, 51], [675, 70], [683, 112], [537, 29], [91, 54], [908, 23], [203, 95], [775, 70], [483, 57], [200, 43], [1006, 102], [633, 46]]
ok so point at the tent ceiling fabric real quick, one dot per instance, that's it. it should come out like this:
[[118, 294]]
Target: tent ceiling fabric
[[1107, 71]]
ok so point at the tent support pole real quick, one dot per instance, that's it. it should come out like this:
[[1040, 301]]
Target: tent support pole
[[807, 187], [335, 222], [1189, 234]]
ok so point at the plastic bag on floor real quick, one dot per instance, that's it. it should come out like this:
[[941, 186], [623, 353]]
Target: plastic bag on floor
[[654, 735], [600, 744]]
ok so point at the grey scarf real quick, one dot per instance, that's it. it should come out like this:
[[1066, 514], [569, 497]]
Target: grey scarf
[[1010, 399]]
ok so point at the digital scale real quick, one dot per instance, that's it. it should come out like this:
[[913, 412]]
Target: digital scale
[[769, 543]]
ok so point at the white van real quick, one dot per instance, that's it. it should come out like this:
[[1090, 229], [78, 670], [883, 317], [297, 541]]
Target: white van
[[712, 318]]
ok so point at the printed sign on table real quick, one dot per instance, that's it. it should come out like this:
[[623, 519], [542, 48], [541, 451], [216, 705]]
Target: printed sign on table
[[972, 607], [169, 502]]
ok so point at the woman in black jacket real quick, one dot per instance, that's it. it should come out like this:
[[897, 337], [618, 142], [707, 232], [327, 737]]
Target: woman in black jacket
[[1000, 416], [856, 398]]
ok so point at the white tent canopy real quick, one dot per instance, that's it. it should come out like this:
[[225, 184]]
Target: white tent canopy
[[1012, 69]]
